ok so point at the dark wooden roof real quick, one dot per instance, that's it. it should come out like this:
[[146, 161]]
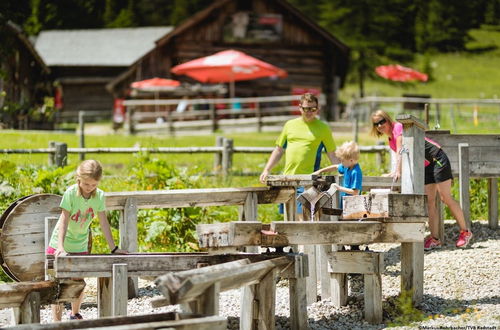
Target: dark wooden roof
[[18, 32], [335, 44]]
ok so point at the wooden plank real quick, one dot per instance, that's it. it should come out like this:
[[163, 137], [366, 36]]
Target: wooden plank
[[104, 297], [412, 270], [266, 297], [373, 298], [298, 303], [137, 264], [493, 203], [248, 307], [236, 234], [170, 320], [339, 289], [128, 238], [312, 279], [30, 309], [464, 177], [183, 289], [403, 206], [195, 197], [358, 262], [119, 290]]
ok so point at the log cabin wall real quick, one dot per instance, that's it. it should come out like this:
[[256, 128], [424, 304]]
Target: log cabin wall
[[311, 56]]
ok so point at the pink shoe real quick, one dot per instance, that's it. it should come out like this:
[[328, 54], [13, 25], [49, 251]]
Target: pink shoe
[[431, 243], [464, 238]]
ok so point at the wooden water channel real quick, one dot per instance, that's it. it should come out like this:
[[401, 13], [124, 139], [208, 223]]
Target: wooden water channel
[[223, 267]]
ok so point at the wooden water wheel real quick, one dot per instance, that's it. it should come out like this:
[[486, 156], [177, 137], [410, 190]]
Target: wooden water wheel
[[22, 240]]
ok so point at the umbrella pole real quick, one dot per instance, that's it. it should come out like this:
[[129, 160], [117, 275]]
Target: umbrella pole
[[231, 89], [157, 96]]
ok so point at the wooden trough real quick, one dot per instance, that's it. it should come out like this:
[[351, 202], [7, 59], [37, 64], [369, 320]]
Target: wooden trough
[[177, 321]]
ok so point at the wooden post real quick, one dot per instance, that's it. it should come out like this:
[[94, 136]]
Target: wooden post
[[119, 304], [248, 307], [297, 291], [312, 279], [265, 297], [50, 223], [129, 120], [248, 212], [258, 114], [227, 156], [170, 121], [380, 156], [338, 281], [29, 311], [209, 300], [128, 238], [61, 156], [412, 182], [219, 142], [464, 177], [213, 117], [373, 298], [52, 145], [493, 203], [104, 297], [81, 125]]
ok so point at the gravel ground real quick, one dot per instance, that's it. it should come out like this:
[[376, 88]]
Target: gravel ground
[[461, 291]]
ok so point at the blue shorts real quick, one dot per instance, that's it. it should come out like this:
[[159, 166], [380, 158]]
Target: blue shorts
[[281, 207]]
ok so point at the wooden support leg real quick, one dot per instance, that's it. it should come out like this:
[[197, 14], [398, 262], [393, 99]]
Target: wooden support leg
[[373, 298], [266, 298], [209, 301], [412, 270], [104, 296], [248, 307], [297, 291], [29, 311], [339, 289], [128, 238], [311, 280], [120, 288], [324, 275], [493, 203]]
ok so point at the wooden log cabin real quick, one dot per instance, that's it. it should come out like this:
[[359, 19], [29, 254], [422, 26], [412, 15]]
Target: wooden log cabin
[[271, 30], [24, 81]]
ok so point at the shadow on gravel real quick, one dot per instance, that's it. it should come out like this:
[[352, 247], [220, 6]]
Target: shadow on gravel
[[480, 230], [432, 305]]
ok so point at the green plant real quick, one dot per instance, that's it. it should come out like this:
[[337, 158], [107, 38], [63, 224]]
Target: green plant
[[402, 312]]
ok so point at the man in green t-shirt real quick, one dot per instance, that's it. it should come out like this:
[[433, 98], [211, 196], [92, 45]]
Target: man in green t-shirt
[[302, 140]]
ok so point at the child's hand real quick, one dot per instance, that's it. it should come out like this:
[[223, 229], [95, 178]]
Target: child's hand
[[60, 252]]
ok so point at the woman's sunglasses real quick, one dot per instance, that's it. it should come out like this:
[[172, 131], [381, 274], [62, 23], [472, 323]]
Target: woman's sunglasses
[[380, 122], [309, 109]]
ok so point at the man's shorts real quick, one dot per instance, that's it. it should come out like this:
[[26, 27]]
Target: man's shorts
[[281, 207], [439, 170]]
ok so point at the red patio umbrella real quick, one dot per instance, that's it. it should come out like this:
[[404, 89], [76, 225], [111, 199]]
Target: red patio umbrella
[[398, 72], [155, 84], [227, 67]]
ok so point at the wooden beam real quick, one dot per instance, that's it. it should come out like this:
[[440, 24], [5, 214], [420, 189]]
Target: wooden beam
[[178, 321], [119, 290], [182, 288], [196, 197], [373, 298], [234, 234], [358, 262], [493, 203]]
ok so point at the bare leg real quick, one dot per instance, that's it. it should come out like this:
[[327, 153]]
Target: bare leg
[[75, 305], [57, 312], [444, 189], [430, 191]]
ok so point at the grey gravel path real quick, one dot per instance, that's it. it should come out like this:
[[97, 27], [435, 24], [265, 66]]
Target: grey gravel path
[[461, 289]]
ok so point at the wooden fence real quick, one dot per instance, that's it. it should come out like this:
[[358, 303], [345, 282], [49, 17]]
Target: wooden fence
[[212, 114], [224, 151]]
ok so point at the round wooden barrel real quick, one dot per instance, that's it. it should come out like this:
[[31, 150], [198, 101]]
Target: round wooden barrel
[[22, 236]]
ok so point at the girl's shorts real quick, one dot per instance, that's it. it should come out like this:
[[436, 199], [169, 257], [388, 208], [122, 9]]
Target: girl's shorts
[[51, 250], [439, 170]]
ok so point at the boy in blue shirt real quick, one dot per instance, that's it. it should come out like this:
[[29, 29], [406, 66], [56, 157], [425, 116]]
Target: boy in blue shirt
[[348, 153]]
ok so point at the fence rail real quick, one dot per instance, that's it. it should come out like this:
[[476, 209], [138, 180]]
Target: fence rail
[[223, 151]]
